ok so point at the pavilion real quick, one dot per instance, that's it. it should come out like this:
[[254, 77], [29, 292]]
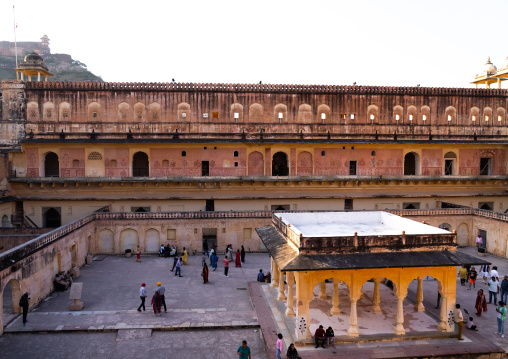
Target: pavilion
[[356, 247]]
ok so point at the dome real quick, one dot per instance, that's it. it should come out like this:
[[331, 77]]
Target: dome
[[489, 68], [33, 61]]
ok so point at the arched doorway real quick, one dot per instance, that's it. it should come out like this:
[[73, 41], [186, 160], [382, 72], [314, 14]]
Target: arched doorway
[[140, 165], [105, 242], [152, 240], [128, 240], [5, 221], [10, 297], [280, 164], [411, 164], [51, 165], [52, 218]]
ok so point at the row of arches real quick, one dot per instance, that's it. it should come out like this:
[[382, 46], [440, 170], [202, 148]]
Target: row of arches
[[280, 164], [279, 114], [128, 239]]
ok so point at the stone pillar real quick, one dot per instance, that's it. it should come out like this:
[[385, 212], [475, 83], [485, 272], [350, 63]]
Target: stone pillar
[[353, 319], [442, 313], [419, 296], [289, 307], [376, 299], [275, 274], [282, 287], [399, 317], [335, 298], [302, 328], [322, 290]]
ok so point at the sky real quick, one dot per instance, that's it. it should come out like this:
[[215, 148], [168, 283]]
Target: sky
[[381, 43]]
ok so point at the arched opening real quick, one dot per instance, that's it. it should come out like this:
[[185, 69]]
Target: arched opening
[[140, 165], [256, 164], [52, 217], [105, 242], [445, 226], [411, 164], [5, 221], [429, 294], [128, 240], [152, 240], [74, 255], [463, 234], [51, 165], [10, 296], [487, 206], [280, 164]]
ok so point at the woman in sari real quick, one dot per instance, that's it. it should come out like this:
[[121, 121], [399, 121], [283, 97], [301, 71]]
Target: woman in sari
[[204, 274], [481, 303], [242, 254], [184, 256], [238, 262], [156, 303]]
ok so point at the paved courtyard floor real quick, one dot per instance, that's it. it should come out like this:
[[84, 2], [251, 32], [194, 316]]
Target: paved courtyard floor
[[211, 320]]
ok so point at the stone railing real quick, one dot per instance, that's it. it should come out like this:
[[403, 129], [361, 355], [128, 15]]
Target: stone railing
[[277, 88], [450, 211], [16, 254], [182, 215]]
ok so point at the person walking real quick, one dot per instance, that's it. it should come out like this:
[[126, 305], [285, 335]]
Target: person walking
[[238, 262], [156, 303], [226, 266], [501, 317], [142, 295], [213, 261], [138, 254], [162, 290], [279, 345], [242, 254], [184, 257], [463, 275], [493, 289], [243, 351], [23, 303], [204, 274], [504, 289], [179, 267], [459, 319], [481, 303], [175, 259], [472, 277], [485, 269]]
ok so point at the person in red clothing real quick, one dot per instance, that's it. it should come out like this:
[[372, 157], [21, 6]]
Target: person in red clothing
[[320, 337], [226, 266], [238, 262]]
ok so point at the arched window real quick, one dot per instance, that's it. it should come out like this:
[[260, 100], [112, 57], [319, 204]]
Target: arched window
[[140, 165], [5, 221], [52, 218], [449, 162], [280, 164], [184, 153], [235, 154], [51, 165], [411, 164]]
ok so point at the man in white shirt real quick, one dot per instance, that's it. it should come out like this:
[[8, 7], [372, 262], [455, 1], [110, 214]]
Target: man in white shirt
[[494, 273], [459, 319], [142, 295]]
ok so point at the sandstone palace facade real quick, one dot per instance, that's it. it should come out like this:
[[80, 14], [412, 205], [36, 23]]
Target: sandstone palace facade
[[71, 148]]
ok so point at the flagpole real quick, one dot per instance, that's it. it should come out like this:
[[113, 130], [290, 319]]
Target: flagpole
[[15, 42]]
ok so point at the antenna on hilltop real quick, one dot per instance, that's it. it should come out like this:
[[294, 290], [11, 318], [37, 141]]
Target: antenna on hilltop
[[15, 43]]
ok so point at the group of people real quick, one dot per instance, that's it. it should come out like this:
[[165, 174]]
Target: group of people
[[158, 299], [264, 278], [491, 279], [321, 337], [165, 251]]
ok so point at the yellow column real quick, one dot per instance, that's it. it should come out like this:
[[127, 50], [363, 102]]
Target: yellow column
[[281, 296], [376, 299], [353, 318], [322, 290], [419, 296], [290, 280], [335, 298], [448, 292], [275, 274], [303, 293], [401, 293]]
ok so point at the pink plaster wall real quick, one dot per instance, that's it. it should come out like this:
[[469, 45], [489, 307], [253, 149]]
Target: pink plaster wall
[[67, 159], [32, 163], [432, 162], [121, 156], [255, 164]]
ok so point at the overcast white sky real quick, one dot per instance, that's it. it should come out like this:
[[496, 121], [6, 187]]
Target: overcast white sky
[[390, 43]]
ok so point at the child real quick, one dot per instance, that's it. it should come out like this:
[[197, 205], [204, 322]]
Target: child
[[279, 345], [470, 324], [472, 277]]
